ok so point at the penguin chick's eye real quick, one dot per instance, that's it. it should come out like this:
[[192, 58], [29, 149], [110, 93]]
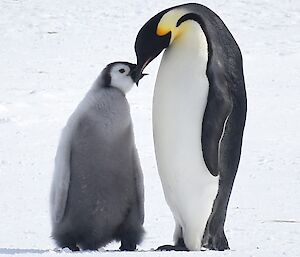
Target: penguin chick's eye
[[121, 70]]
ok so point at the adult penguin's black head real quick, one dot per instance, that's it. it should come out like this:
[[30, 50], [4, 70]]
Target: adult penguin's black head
[[148, 43], [158, 33]]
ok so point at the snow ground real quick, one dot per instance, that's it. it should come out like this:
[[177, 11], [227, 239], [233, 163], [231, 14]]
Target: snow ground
[[51, 52]]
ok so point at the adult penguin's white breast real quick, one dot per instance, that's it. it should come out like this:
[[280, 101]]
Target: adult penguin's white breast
[[180, 98]]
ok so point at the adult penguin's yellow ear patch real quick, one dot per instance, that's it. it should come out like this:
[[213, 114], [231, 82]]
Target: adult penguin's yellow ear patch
[[168, 23]]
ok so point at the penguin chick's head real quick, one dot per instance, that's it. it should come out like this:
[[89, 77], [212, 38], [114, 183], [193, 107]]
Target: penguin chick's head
[[160, 32], [121, 75]]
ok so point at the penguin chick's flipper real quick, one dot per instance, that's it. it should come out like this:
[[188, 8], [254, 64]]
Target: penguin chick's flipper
[[61, 180]]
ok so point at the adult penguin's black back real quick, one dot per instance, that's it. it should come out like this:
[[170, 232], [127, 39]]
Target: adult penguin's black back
[[223, 116]]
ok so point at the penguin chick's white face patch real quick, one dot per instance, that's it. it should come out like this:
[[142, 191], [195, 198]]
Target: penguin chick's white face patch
[[120, 77]]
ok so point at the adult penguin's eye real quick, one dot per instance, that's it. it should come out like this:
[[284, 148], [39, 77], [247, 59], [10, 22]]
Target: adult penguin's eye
[[121, 70]]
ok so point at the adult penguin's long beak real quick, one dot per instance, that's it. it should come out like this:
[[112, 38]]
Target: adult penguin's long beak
[[137, 75], [141, 75], [148, 44]]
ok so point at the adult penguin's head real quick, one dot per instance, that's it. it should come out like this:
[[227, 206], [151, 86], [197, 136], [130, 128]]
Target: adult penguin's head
[[158, 33]]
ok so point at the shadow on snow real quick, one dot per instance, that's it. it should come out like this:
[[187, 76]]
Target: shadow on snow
[[21, 251]]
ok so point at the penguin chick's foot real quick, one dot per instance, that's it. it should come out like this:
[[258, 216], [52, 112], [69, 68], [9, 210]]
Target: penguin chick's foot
[[127, 246], [216, 242], [73, 248]]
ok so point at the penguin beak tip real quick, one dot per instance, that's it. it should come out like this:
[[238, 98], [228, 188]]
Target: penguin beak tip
[[139, 76]]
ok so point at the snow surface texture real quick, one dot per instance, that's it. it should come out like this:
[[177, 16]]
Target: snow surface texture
[[53, 50]]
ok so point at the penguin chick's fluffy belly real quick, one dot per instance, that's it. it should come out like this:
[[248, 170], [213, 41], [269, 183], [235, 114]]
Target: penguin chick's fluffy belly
[[179, 103], [91, 199]]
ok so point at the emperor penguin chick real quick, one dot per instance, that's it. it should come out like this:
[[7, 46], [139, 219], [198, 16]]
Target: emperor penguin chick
[[97, 193]]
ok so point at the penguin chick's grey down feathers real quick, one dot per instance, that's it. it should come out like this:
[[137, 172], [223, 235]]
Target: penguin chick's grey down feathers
[[97, 191]]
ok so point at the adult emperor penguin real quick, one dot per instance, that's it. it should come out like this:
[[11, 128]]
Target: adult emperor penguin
[[199, 112], [97, 190]]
